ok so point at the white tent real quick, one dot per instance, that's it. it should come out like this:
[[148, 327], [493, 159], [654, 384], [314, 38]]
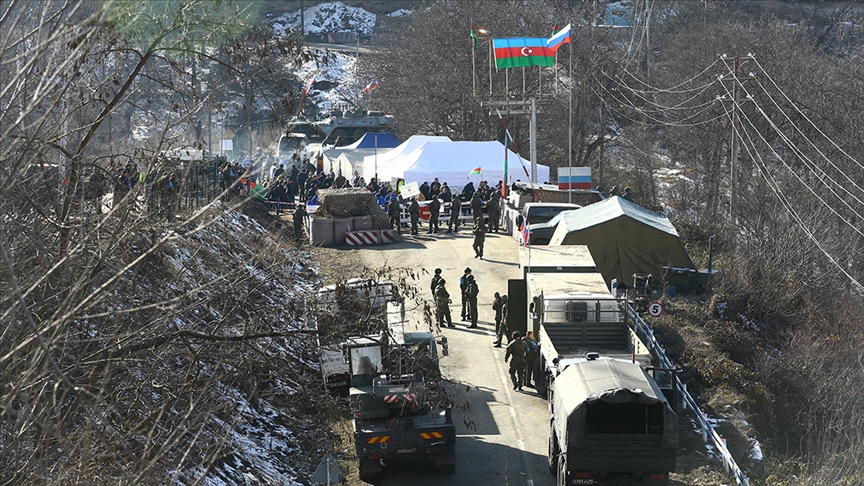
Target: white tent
[[451, 162], [371, 163], [345, 161]]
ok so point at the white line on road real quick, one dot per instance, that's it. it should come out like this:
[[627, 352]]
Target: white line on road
[[517, 426]]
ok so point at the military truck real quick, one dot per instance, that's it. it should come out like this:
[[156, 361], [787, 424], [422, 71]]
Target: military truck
[[349, 300], [398, 401], [573, 314], [611, 425], [341, 128]]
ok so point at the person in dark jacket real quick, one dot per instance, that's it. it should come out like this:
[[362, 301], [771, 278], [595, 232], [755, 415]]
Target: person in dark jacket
[[493, 207], [435, 280], [463, 283], [503, 328], [434, 212], [532, 351], [471, 291], [414, 212], [394, 211], [516, 349], [455, 212], [479, 239], [299, 217], [477, 207], [442, 304]]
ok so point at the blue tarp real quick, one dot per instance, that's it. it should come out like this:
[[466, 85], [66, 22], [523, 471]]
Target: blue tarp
[[385, 140]]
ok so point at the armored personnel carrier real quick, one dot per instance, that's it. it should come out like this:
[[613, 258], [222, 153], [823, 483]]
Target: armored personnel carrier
[[342, 128]]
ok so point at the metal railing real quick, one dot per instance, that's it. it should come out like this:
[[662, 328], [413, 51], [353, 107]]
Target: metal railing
[[708, 433]]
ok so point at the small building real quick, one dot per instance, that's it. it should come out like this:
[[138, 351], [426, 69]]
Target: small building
[[624, 239]]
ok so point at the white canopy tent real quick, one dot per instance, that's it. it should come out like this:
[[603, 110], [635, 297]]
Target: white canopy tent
[[346, 161], [371, 163], [451, 162]]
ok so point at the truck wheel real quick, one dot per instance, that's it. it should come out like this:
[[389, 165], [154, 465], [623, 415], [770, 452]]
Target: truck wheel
[[553, 453], [446, 468], [561, 480], [368, 471]]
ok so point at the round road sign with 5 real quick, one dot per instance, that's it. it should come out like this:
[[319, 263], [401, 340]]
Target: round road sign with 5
[[655, 309]]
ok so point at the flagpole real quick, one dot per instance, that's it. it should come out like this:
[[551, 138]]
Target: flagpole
[[570, 132]]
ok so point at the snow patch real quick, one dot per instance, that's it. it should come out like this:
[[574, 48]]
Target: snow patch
[[327, 17]]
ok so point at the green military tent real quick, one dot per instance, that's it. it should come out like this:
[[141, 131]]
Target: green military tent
[[625, 238]]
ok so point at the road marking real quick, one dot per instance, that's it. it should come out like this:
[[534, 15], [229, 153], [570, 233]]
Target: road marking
[[517, 425]]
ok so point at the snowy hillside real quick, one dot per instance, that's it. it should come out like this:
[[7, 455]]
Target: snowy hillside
[[328, 17]]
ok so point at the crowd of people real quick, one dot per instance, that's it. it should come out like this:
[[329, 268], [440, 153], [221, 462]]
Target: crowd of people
[[521, 352]]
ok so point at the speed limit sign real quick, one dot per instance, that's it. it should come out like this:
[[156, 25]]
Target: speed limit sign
[[655, 309]]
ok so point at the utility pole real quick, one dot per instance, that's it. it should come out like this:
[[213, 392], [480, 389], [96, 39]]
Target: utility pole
[[736, 125]]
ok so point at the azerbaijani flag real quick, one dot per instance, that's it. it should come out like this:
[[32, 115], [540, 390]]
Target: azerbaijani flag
[[477, 171], [474, 38], [559, 39], [522, 51]]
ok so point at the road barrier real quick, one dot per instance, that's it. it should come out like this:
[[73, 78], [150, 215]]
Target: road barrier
[[362, 237], [708, 433]]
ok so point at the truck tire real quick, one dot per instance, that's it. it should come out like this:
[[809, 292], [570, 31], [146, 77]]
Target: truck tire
[[540, 380], [561, 477], [553, 453], [446, 468], [368, 471]]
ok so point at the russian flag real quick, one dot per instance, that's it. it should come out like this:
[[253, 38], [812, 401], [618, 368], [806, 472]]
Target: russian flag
[[574, 178], [372, 85], [526, 234], [309, 88], [559, 39]]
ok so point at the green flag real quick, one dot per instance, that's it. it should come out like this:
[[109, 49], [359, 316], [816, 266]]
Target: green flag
[[474, 37]]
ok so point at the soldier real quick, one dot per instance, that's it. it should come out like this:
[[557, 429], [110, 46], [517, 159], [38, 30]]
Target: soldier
[[531, 353], [455, 212], [471, 291], [614, 191], [435, 210], [463, 283], [503, 329], [393, 211], [516, 348], [479, 239], [493, 206], [497, 307], [435, 280], [442, 304], [477, 207], [299, 217], [414, 212], [627, 195]]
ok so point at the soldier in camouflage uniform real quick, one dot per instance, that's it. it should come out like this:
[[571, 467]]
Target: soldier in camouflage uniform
[[516, 349], [442, 304]]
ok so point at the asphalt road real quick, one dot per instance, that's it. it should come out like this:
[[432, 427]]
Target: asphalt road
[[502, 433]]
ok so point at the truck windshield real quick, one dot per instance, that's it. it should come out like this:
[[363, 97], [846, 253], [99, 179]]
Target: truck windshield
[[366, 361]]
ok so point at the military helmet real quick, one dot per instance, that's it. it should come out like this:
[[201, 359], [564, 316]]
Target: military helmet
[[437, 271]]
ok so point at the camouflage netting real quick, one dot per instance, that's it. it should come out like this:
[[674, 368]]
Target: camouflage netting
[[342, 203]]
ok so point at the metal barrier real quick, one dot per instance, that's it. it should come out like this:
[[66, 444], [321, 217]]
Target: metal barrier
[[647, 335]]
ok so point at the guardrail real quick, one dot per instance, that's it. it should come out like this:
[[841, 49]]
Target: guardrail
[[647, 335]]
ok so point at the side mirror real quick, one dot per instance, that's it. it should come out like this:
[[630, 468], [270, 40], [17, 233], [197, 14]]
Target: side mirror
[[531, 311], [445, 349]]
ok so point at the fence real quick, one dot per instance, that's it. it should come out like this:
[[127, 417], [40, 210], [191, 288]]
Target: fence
[[708, 433]]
